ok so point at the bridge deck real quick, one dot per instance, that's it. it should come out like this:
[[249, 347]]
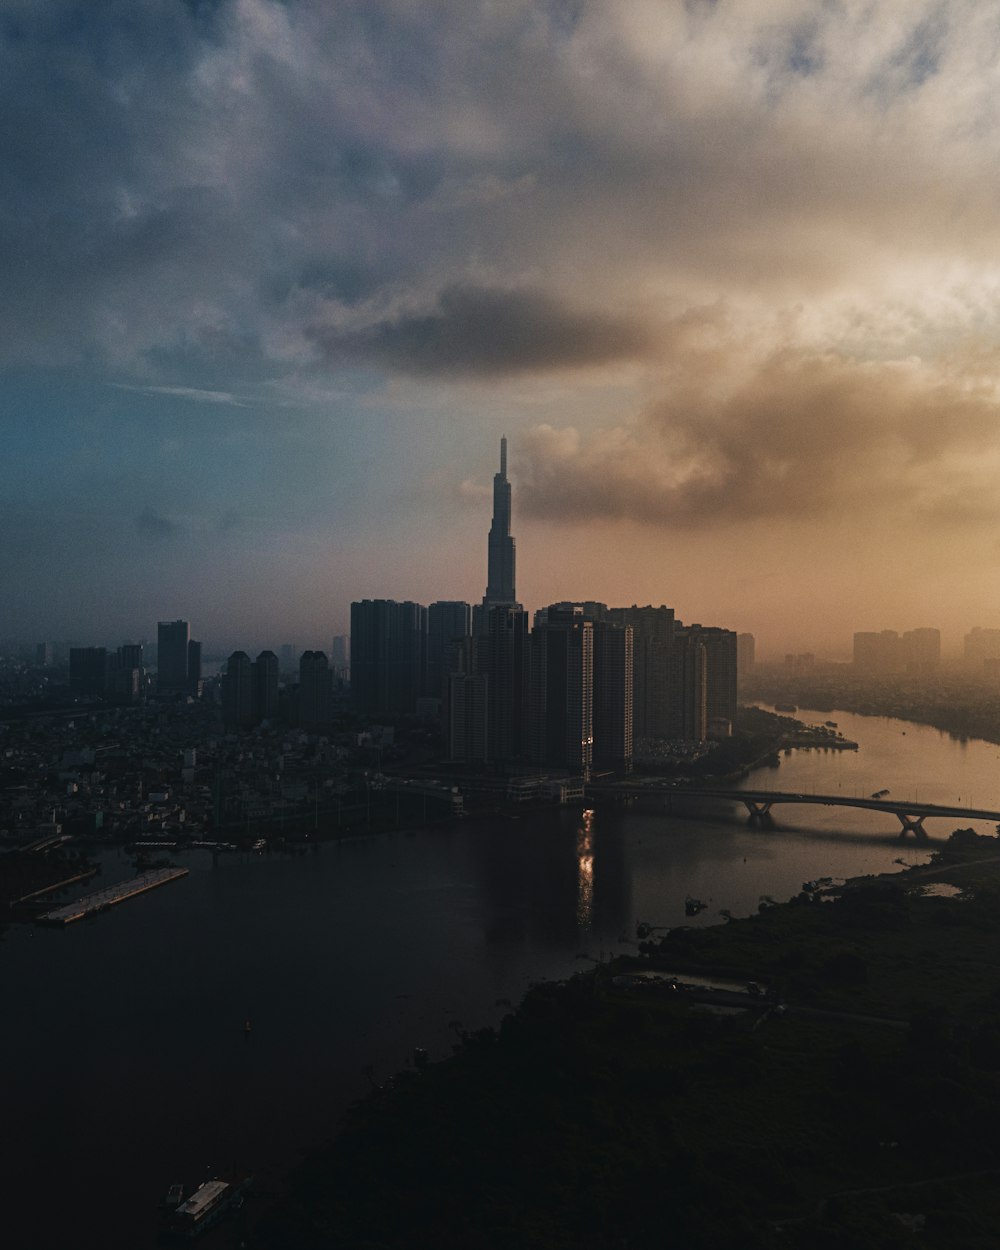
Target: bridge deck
[[898, 807]]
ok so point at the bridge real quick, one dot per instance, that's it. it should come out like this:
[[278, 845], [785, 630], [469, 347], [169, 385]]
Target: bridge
[[759, 803]]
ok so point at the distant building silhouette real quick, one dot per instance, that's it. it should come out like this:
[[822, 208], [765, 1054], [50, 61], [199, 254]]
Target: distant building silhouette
[[178, 658], [315, 690], [265, 686], [885, 652], [340, 657], [981, 645], [237, 692], [88, 672], [746, 654]]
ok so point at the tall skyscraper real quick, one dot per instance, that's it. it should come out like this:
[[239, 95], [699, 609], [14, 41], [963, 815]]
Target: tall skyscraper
[[500, 557]]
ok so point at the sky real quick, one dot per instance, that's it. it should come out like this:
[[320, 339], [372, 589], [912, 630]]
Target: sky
[[278, 276]]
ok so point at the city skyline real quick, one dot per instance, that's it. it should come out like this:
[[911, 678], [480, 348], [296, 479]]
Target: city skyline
[[280, 275]]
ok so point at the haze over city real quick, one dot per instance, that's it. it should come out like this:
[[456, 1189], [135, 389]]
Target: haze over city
[[279, 276]]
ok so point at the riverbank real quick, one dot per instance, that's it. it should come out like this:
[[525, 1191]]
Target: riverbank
[[601, 1115]]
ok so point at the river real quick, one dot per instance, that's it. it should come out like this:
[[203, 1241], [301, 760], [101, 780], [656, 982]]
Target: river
[[125, 1059]]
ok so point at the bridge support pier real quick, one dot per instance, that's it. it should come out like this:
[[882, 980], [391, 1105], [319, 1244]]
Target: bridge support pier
[[912, 824], [758, 813]]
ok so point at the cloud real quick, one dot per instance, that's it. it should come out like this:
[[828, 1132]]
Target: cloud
[[154, 525], [489, 332], [187, 392], [798, 436]]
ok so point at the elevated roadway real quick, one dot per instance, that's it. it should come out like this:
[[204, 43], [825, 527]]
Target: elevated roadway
[[759, 803]]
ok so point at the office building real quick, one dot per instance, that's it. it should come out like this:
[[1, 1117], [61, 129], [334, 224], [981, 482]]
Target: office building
[[746, 654]]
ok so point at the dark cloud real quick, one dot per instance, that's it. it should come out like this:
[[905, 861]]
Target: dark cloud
[[801, 436], [153, 525], [474, 330]]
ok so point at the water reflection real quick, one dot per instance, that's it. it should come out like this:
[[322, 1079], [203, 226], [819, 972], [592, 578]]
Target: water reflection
[[585, 869]]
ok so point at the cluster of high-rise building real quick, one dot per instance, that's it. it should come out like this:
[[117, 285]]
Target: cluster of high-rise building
[[886, 651], [573, 691]]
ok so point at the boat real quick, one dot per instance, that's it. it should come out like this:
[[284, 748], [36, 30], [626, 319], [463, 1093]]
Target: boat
[[692, 906], [207, 1204]]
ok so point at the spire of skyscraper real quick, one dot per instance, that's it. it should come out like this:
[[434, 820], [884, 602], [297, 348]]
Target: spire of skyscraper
[[500, 549]]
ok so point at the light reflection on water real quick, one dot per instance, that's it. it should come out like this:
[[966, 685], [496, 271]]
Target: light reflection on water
[[585, 869]]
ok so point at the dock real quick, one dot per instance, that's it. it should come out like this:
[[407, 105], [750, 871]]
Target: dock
[[111, 896]]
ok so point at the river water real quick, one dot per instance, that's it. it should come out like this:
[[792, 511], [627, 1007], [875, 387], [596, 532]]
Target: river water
[[125, 1061]]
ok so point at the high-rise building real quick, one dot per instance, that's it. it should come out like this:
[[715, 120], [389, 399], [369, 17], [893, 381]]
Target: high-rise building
[[688, 710], [340, 656], [315, 690], [172, 639], [468, 717], [652, 643], [265, 686], [878, 652], [88, 672], [194, 666], [746, 654], [720, 674], [500, 552], [561, 692], [613, 690], [981, 645], [388, 655], [921, 650], [447, 620], [502, 656], [237, 692], [500, 545]]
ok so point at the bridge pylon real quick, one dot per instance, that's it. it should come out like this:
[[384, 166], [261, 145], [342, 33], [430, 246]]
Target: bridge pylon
[[912, 824], [758, 812]]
